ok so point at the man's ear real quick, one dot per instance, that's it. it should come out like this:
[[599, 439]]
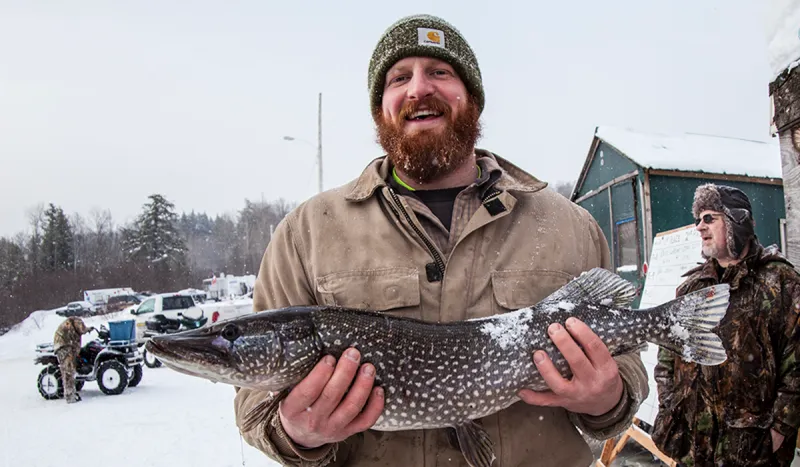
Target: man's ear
[[739, 215]]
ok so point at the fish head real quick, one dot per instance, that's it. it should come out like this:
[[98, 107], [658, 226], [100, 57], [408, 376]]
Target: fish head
[[271, 350]]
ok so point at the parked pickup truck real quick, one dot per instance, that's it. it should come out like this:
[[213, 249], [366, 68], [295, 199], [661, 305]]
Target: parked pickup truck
[[169, 305]]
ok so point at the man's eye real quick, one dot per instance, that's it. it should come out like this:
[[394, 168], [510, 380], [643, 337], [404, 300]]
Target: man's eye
[[441, 72], [397, 79]]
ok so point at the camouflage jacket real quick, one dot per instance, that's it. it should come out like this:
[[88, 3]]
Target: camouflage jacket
[[69, 333], [722, 415]]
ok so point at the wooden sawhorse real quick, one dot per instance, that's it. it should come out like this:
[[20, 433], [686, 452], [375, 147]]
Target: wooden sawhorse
[[611, 450]]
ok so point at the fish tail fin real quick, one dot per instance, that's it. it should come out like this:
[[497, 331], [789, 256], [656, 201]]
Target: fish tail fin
[[689, 320]]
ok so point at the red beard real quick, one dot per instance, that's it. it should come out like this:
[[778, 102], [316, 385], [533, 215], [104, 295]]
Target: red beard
[[429, 155]]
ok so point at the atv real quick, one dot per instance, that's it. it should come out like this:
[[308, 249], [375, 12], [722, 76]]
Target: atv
[[159, 325], [113, 360]]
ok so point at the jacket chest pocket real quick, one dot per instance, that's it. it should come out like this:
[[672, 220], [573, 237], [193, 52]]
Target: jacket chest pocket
[[517, 289], [371, 289]]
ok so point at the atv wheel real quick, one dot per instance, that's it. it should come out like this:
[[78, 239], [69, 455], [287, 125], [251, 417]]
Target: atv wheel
[[78, 385], [49, 383], [112, 377], [150, 360], [136, 376]]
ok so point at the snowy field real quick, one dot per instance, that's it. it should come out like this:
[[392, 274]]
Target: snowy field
[[168, 420]]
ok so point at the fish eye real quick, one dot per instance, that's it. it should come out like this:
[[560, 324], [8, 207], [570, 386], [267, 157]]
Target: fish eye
[[231, 332]]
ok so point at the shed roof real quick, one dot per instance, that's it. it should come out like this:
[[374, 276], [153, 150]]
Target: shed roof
[[695, 152]]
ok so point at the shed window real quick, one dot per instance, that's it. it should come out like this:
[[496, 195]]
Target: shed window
[[626, 245]]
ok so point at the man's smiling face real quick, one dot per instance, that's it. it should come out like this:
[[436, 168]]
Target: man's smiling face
[[427, 123]]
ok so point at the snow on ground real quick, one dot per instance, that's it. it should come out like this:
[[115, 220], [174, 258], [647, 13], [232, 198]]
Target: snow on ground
[[168, 420]]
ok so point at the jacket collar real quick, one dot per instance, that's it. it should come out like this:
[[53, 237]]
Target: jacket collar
[[733, 275], [511, 177]]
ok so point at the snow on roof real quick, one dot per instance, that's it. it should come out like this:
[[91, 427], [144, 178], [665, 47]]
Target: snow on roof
[[696, 153], [781, 26]]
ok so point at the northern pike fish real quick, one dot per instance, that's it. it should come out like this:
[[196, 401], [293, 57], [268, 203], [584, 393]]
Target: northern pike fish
[[438, 375]]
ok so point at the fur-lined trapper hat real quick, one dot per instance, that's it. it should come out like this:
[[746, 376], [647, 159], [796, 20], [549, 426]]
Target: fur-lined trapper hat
[[738, 214]]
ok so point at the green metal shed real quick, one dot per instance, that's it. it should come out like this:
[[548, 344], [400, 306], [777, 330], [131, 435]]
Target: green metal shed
[[638, 184]]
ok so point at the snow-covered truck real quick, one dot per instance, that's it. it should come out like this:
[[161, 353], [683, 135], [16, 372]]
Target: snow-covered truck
[[226, 287], [99, 297], [170, 304]]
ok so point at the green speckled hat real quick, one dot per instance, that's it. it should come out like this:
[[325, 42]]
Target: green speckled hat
[[423, 36]]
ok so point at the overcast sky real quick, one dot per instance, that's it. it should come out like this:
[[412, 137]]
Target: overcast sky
[[105, 103]]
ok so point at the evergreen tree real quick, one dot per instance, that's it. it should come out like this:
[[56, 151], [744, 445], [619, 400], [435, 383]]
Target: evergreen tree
[[12, 264], [154, 237], [57, 241]]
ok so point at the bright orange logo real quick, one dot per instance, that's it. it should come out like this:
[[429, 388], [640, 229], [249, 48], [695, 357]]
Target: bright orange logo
[[433, 36]]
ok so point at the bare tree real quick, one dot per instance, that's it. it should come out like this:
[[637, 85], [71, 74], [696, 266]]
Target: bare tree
[[104, 249], [565, 188], [33, 251]]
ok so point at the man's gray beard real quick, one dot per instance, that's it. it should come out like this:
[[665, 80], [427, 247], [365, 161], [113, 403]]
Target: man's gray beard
[[711, 252]]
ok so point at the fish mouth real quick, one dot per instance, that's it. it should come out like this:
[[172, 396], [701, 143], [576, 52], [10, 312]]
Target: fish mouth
[[206, 354], [195, 353]]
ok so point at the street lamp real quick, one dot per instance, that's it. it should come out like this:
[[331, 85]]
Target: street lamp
[[319, 144]]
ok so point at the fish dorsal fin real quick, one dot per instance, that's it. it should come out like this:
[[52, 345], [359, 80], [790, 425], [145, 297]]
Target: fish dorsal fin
[[596, 286]]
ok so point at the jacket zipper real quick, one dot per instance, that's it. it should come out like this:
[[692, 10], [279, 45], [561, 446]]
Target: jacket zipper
[[435, 270]]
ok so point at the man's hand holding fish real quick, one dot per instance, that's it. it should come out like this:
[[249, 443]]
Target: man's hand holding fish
[[595, 387]]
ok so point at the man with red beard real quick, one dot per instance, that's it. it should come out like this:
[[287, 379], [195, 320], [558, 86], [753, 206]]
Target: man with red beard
[[440, 231]]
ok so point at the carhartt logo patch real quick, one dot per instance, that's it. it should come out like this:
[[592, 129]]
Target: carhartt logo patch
[[432, 37]]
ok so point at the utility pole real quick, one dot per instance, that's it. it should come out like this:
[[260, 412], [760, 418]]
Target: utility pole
[[319, 145]]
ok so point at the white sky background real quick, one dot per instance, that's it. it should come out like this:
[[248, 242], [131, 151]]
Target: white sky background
[[105, 103]]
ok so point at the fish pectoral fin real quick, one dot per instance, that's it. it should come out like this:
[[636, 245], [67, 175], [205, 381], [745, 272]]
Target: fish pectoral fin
[[260, 412], [475, 444]]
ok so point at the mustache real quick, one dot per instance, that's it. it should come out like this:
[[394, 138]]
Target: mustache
[[430, 103]]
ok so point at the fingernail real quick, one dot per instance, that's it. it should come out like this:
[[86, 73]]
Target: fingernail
[[329, 360], [379, 392], [554, 328], [352, 354], [368, 370], [570, 322], [538, 357]]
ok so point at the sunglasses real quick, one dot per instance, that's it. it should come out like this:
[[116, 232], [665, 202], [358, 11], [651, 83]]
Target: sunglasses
[[708, 219]]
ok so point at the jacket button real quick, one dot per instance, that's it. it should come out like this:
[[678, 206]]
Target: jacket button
[[392, 292]]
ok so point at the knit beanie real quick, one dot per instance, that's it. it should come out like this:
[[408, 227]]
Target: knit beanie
[[423, 36], [738, 214]]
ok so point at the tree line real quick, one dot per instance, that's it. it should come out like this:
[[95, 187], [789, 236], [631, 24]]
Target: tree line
[[160, 251]]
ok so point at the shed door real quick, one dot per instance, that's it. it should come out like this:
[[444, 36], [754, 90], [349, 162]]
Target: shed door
[[625, 225]]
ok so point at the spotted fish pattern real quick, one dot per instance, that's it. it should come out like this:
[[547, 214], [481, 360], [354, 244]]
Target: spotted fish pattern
[[439, 375]]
